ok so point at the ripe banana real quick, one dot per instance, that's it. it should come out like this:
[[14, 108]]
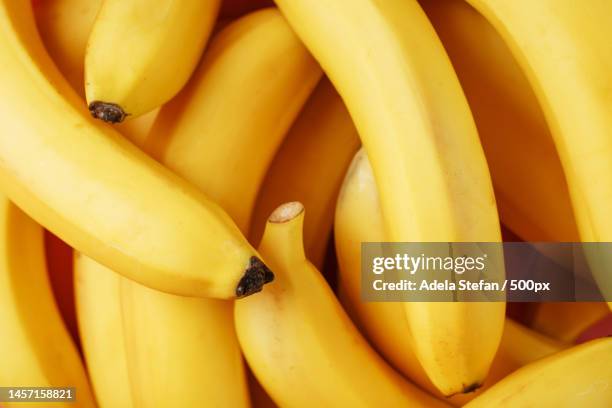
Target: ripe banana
[[181, 351], [98, 192], [309, 168], [530, 187], [140, 55], [580, 376], [198, 135], [184, 351], [299, 342], [100, 327], [64, 27], [415, 123], [35, 347], [358, 219], [565, 52]]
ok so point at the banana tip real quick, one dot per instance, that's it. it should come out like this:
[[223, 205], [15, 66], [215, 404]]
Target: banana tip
[[471, 388], [108, 112], [255, 277]]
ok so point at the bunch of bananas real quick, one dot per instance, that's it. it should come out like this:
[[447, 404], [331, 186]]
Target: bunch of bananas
[[147, 147]]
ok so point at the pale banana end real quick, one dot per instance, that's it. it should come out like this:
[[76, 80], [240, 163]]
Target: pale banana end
[[140, 55]]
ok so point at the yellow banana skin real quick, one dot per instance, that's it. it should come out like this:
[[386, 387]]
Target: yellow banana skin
[[530, 187], [580, 376], [186, 135], [309, 168], [184, 351], [181, 351], [358, 219], [140, 55], [564, 51], [35, 347], [64, 27], [297, 334], [99, 317], [415, 124], [98, 192]]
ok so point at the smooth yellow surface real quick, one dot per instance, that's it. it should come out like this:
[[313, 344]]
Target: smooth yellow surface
[[140, 54], [224, 128], [564, 49], [580, 376], [309, 168], [99, 317], [181, 351], [64, 27], [300, 343], [530, 187], [35, 347], [95, 190], [184, 351], [358, 219], [390, 68]]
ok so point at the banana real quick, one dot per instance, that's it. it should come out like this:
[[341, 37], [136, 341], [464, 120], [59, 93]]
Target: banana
[[64, 27], [309, 168], [358, 219], [184, 351], [577, 377], [565, 52], [198, 135], [100, 327], [565, 321], [299, 342], [98, 192], [35, 347], [180, 351], [139, 56], [530, 187], [415, 124]]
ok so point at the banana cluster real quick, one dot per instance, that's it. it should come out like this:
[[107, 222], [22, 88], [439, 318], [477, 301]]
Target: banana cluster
[[212, 168]]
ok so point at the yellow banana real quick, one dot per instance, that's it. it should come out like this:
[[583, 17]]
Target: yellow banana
[[100, 328], [64, 27], [299, 342], [140, 55], [564, 51], [565, 321], [358, 219], [530, 186], [181, 351], [519, 347], [580, 376], [100, 194], [309, 168], [280, 77], [35, 347], [415, 124], [184, 351]]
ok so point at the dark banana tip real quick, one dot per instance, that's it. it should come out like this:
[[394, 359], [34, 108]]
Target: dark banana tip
[[256, 275], [471, 388], [108, 112]]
